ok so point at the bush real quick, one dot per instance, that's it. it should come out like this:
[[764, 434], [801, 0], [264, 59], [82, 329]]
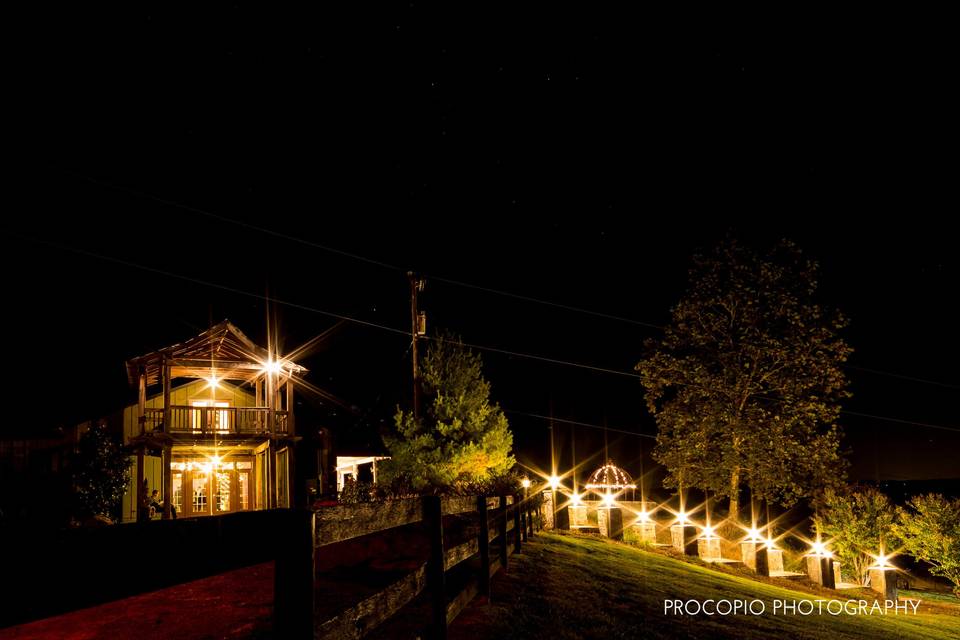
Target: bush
[[930, 530]]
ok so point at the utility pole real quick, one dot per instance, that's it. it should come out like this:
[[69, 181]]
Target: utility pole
[[418, 327]]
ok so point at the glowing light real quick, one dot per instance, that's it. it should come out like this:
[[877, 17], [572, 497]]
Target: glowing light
[[217, 460], [554, 482], [644, 516], [754, 534], [273, 366], [610, 476], [820, 549], [575, 499], [608, 500], [770, 543], [213, 381], [882, 561], [708, 532], [682, 517], [526, 483]]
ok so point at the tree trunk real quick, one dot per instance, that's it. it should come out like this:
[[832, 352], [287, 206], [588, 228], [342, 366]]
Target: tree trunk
[[734, 511]]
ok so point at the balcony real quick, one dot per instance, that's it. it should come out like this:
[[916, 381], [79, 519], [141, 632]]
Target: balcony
[[217, 421]]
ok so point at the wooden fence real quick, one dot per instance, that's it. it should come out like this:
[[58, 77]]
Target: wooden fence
[[505, 521], [93, 566]]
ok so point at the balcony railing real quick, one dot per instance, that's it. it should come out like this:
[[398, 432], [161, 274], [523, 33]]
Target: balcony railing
[[217, 420]]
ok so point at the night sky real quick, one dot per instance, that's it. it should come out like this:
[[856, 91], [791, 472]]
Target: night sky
[[572, 159]]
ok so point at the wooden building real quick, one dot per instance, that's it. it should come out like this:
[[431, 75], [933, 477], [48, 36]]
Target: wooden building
[[217, 433]]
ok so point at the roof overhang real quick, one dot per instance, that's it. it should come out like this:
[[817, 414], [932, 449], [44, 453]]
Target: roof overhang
[[223, 350]]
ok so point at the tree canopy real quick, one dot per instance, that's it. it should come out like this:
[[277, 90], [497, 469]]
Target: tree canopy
[[462, 437], [746, 382], [101, 473], [930, 531], [858, 522]]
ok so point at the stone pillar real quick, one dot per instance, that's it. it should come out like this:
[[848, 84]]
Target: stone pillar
[[769, 561], [684, 538], [578, 515], [748, 553], [610, 521], [645, 531], [883, 580], [709, 548], [547, 509], [820, 570]]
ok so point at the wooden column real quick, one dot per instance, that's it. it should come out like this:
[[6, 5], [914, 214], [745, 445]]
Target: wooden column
[[293, 578], [167, 475], [517, 530], [166, 395], [142, 402], [291, 426], [141, 494], [483, 541], [433, 525], [502, 526], [271, 401], [269, 474]]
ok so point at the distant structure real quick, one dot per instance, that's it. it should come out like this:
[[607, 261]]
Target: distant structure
[[218, 435], [611, 479]]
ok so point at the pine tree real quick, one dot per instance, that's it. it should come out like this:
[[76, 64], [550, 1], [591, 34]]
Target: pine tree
[[461, 437], [746, 382], [101, 473]]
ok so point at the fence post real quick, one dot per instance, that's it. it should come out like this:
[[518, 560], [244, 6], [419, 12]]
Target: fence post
[[483, 541], [516, 523], [502, 527], [293, 585], [433, 525], [523, 521]]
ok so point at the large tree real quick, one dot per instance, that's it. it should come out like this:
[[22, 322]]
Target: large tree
[[461, 437], [746, 382]]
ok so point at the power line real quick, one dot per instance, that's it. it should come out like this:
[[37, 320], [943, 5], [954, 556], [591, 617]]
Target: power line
[[903, 377], [543, 359], [355, 256], [402, 332], [580, 424], [459, 283], [898, 420], [304, 307]]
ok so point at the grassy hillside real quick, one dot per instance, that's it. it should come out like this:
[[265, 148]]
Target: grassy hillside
[[580, 587]]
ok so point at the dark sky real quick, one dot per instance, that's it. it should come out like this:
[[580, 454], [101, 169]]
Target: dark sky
[[579, 159]]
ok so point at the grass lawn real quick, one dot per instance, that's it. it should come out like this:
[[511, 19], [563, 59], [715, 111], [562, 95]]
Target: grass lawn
[[565, 586]]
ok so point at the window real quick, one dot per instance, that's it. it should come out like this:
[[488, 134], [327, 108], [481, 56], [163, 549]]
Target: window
[[222, 496], [178, 491], [200, 481], [205, 418]]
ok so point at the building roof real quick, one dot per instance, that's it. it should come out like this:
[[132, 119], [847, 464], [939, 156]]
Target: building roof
[[610, 476], [222, 347]]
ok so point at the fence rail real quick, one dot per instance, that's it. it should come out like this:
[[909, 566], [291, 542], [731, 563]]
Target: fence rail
[[504, 520]]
